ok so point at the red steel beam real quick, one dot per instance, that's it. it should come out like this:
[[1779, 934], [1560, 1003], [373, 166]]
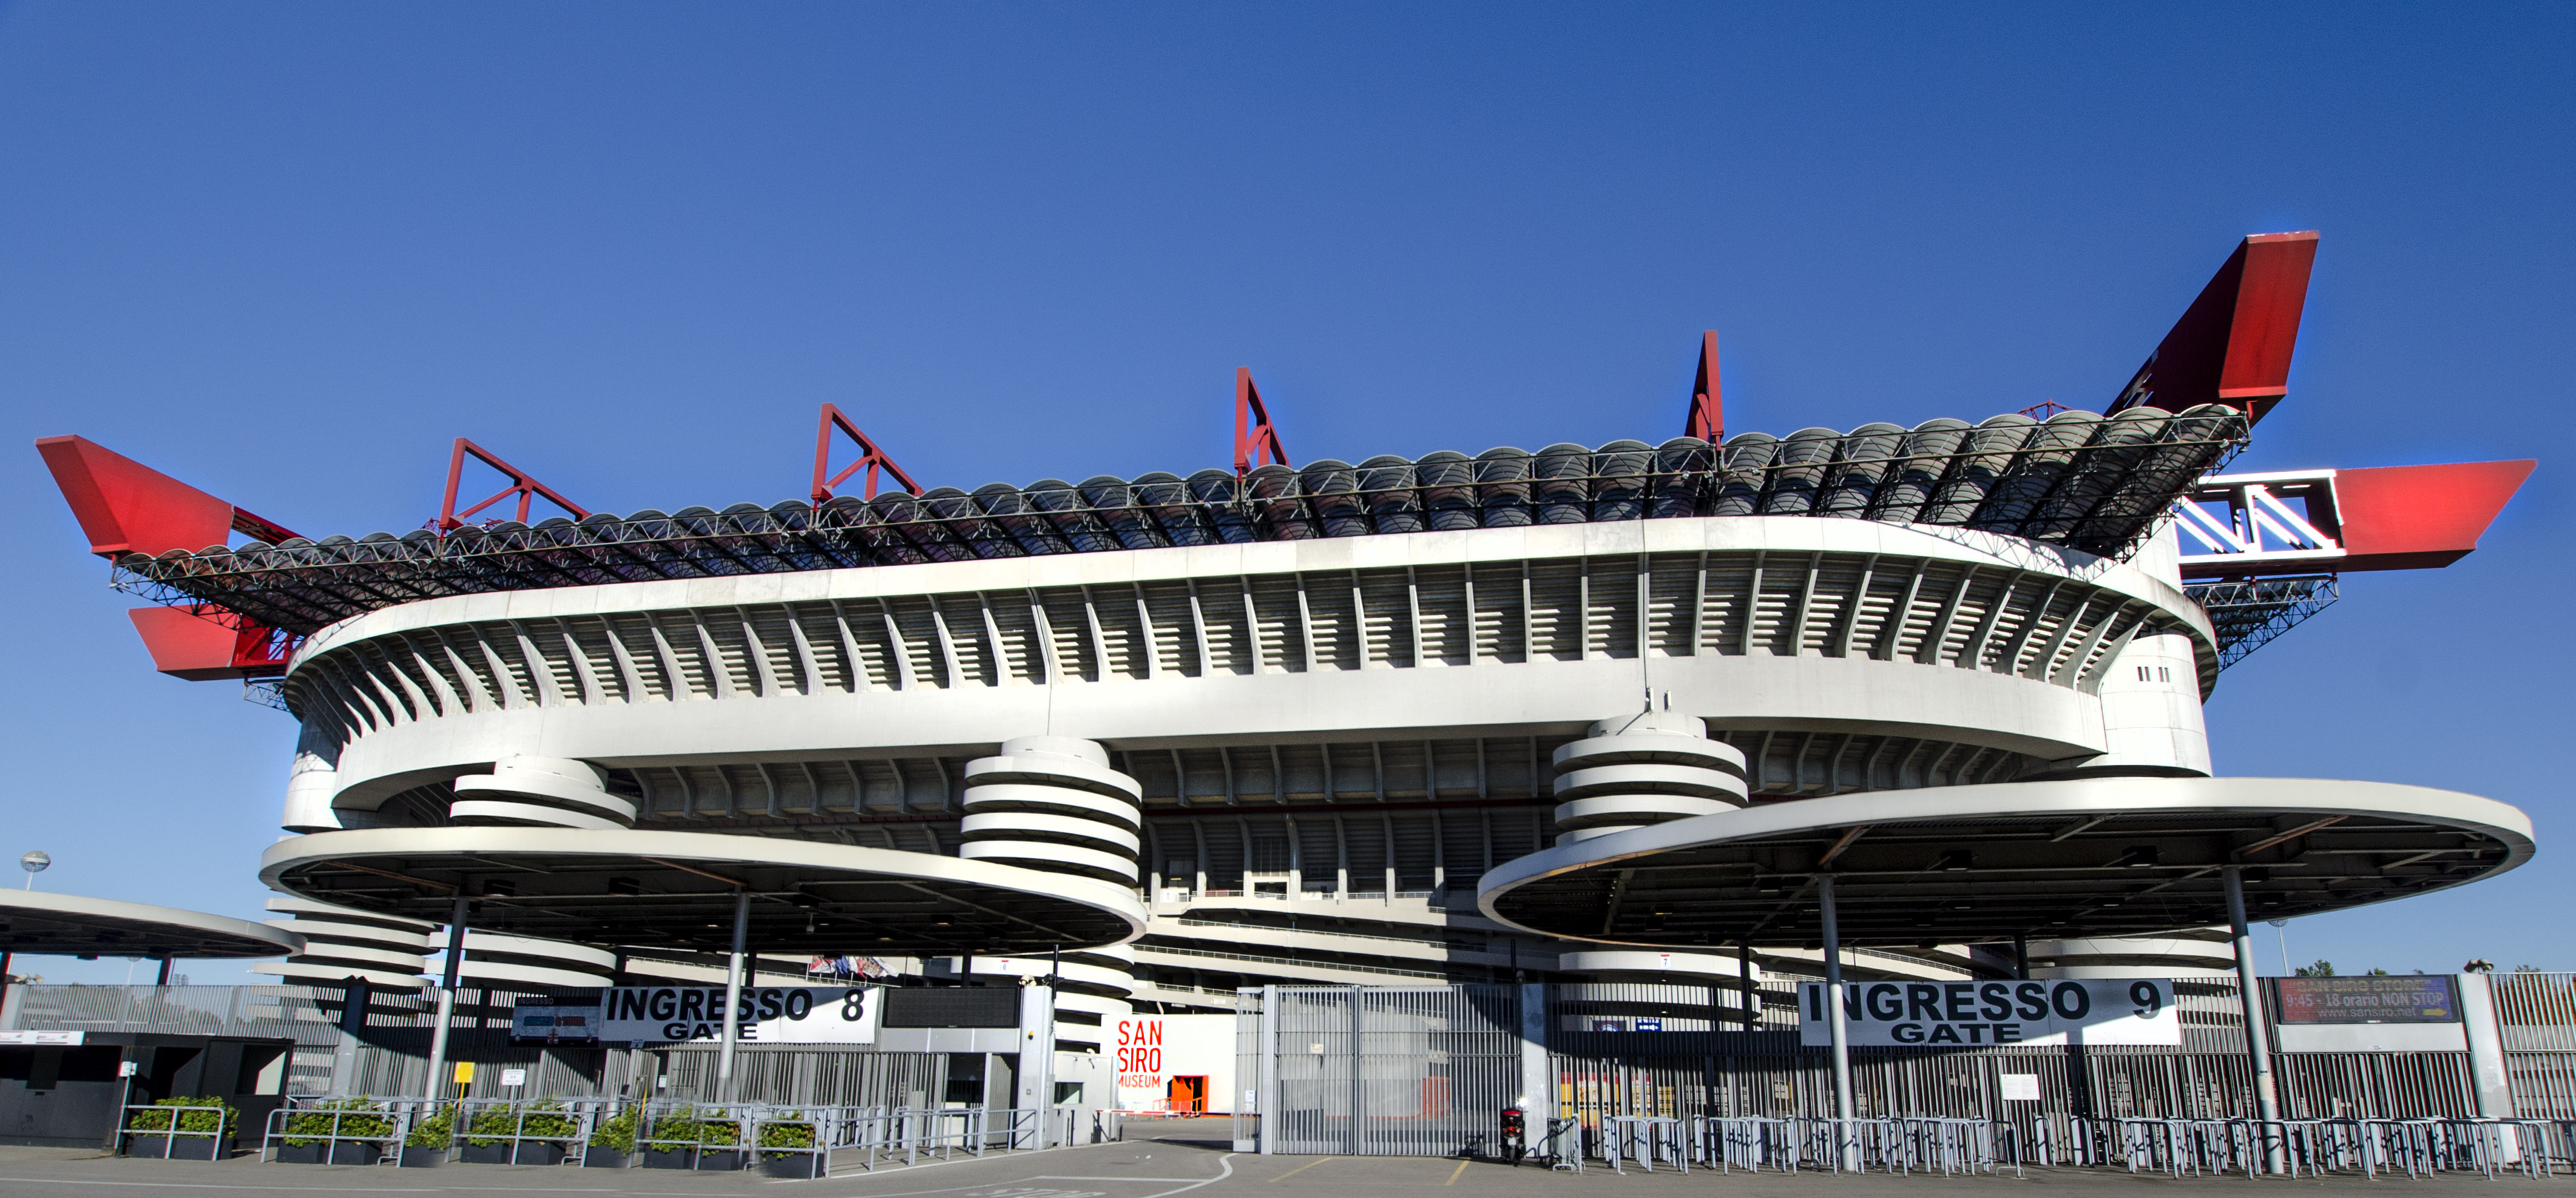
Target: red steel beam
[[1707, 417], [202, 646], [2420, 517], [1255, 437], [126, 507], [870, 456], [522, 484], [2233, 344]]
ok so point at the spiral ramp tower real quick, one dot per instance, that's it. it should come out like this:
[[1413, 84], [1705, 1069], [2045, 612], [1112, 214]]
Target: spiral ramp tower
[[1632, 771], [1053, 804], [540, 792], [341, 943], [525, 963]]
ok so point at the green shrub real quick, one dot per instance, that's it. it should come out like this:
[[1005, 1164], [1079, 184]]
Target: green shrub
[[617, 1132], [719, 1132], [434, 1130], [674, 1131], [536, 1121], [790, 1134], [550, 1121], [350, 1118], [202, 1123]]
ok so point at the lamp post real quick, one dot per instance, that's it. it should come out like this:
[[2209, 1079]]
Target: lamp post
[[34, 862]]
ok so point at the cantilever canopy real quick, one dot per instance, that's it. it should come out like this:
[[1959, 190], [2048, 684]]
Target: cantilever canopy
[[2091, 857], [676, 890], [71, 925]]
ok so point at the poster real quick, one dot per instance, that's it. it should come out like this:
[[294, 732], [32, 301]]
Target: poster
[[1175, 1063], [1965, 1014], [543, 1021], [2418, 998], [770, 1014]]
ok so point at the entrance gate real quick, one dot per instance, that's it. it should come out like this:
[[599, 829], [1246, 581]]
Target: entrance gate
[[1389, 1071]]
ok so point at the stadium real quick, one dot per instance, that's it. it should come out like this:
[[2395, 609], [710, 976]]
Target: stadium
[[1409, 721]]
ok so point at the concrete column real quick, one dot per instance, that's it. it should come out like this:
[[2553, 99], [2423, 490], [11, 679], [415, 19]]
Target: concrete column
[[344, 1056], [2487, 1075], [1835, 1020], [446, 1000], [733, 997], [1037, 1052], [1538, 1090], [1266, 1100], [2258, 1036]]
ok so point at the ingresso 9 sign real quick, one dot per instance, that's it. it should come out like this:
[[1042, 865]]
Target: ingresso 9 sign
[[1965, 1014]]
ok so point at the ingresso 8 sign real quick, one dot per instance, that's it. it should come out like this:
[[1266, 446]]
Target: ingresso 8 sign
[[1916, 1014], [770, 1014]]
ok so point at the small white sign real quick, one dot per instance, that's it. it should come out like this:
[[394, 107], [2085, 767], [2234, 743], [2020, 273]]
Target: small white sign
[[514, 1077], [43, 1039], [128, 1068], [2021, 1087]]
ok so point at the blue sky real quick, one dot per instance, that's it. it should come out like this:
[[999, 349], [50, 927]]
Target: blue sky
[[288, 252]]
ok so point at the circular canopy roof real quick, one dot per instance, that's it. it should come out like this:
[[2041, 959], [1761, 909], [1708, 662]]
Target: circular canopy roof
[[69, 925], [2091, 857], [676, 889]]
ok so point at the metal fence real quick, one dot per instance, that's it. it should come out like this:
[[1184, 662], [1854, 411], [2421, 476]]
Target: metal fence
[[1394, 1070], [1426, 1070], [307, 1015], [2536, 1019]]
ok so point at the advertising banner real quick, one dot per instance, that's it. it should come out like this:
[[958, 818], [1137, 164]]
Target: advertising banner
[[770, 1014], [1921, 1014], [542, 1021], [2374, 999]]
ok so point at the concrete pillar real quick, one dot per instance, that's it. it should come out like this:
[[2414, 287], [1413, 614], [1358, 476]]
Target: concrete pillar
[[1266, 1101], [1538, 1090], [1037, 1052], [2258, 1037], [2487, 1075]]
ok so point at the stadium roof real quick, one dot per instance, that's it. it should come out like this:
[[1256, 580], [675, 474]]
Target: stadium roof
[[2077, 479]]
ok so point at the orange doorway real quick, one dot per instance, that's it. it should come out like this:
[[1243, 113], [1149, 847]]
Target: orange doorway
[[1187, 1095]]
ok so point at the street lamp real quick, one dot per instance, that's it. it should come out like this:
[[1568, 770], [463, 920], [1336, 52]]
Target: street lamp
[[2279, 926], [34, 862]]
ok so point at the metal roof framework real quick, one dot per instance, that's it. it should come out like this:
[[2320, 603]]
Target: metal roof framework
[[2078, 480], [34, 921], [2081, 858], [676, 890]]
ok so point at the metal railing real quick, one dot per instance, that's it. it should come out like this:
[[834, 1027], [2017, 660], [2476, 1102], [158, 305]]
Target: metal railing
[[556, 1127], [713, 1137], [172, 1129]]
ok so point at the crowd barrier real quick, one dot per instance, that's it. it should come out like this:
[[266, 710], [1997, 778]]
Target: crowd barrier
[[2492, 1148]]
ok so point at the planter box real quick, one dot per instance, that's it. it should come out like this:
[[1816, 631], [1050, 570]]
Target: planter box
[[602, 1158], [720, 1158], [421, 1158], [530, 1152], [344, 1152], [802, 1166], [179, 1148], [670, 1158]]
